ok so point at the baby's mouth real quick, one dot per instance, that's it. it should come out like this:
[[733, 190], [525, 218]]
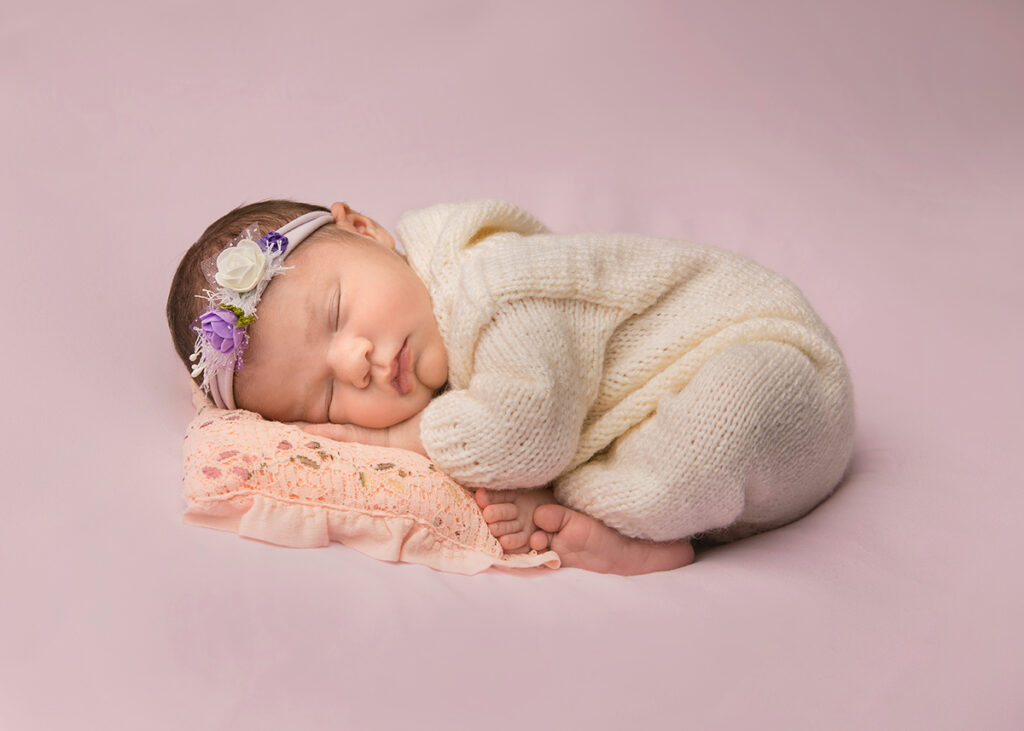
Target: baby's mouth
[[402, 381]]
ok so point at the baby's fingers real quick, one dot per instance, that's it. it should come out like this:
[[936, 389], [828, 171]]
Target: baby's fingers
[[348, 433], [337, 432]]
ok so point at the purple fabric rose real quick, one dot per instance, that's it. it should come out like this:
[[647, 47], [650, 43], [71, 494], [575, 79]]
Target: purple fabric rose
[[274, 241], [219, 328]]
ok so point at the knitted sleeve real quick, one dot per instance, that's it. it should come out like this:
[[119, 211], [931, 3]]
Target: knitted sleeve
[[518, 422]]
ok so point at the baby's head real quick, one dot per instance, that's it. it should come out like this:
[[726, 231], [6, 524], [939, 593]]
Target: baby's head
[[323, 322]]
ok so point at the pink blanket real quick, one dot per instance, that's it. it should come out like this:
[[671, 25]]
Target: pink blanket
[[871, 152]]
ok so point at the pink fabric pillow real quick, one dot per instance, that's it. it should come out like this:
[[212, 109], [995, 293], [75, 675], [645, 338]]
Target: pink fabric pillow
[[276, 483]]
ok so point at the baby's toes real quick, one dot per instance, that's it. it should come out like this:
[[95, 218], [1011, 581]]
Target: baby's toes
[[514, 541], [551, 518], [482, 497], [492, 497], [499, 512], [503, 528], [540, 540]]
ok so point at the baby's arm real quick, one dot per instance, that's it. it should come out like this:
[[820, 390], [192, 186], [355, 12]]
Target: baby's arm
[[517, 422]]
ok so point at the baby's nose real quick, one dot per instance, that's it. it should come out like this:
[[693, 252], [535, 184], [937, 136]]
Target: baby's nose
[[350, 360]]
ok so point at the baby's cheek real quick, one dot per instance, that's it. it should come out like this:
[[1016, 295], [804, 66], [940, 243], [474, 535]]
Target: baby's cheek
[[434, 369]]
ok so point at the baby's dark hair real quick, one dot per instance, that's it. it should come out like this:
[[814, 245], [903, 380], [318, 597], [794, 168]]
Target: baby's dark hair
[[183, 304]]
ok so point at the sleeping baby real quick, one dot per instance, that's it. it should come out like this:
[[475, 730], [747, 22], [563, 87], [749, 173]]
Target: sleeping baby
[[609, 397]]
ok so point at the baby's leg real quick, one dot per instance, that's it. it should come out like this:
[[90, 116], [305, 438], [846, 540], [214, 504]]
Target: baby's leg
[[509, 515], [586, 543], [755, 440]]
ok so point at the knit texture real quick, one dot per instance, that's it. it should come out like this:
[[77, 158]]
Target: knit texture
[[666, 388]]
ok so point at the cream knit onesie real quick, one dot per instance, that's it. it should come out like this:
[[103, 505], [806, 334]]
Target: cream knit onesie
[[666, 389]]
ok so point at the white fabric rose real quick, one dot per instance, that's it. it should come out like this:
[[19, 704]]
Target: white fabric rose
[[240, 267]]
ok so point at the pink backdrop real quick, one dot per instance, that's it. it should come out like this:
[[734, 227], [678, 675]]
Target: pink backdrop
[[872, 151]]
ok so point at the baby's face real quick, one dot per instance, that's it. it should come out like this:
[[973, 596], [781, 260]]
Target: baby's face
[[346, 336]]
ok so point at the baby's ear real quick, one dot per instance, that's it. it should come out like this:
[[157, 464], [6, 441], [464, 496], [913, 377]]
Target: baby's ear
[[340, 211], [346, 218]]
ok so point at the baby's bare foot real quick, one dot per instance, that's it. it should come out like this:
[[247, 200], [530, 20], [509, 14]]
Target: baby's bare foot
[[586, 543], [509, 515]]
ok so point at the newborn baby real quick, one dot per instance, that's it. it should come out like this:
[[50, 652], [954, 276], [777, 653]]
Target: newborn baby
[[612, 397]]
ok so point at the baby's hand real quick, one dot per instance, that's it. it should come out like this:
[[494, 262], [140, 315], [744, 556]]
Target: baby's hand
[[347, 433], [405, 435]]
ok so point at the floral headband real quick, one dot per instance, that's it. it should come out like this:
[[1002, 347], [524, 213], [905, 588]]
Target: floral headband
[[242, 270]]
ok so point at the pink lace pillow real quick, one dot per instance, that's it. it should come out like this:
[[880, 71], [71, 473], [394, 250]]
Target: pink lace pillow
[[276, 483]]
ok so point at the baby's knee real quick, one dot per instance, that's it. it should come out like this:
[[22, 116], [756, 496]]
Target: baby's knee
[[762, 433]]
